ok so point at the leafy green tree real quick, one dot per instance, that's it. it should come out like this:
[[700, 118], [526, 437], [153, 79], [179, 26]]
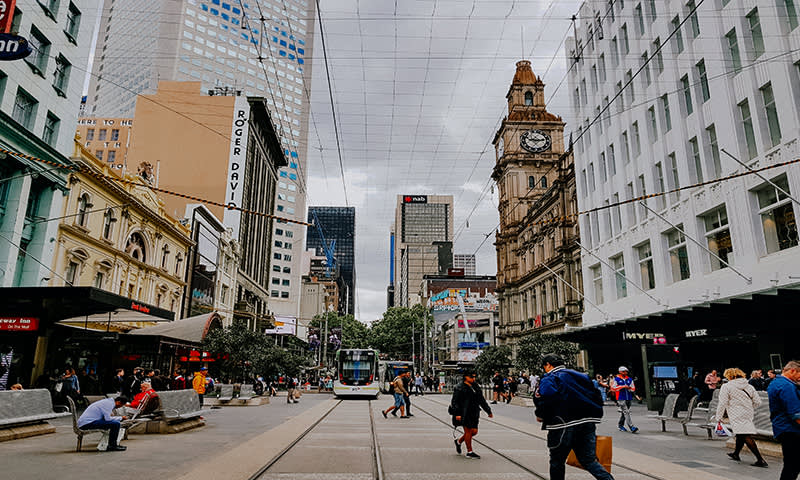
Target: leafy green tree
[[392, 334], [355, 334], [493, 359], [532, 347], [244, 352]]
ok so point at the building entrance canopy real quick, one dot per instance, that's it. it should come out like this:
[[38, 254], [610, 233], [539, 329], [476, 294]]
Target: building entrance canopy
[[76, 304], [754, 314]]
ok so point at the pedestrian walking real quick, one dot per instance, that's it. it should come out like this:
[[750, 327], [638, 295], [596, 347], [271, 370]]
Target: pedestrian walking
[[291, 385], [398, 390], [770, 377], [199, 383], [406, 378], [601, 386], [497, 387], [624, 389], [740, 400], [784, 408], [465, 407], [418, 385], [569, 406]]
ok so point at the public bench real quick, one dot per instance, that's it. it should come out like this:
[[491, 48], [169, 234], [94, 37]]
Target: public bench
[[225, 393], [762, 419], [670, 413], [24, 413], [246, 392], [707, 420], [179, 410]]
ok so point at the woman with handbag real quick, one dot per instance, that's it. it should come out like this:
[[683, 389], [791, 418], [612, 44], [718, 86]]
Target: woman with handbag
[[740, 400]]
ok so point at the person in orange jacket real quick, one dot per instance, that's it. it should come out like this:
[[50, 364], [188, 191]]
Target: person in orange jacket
[[199, 383]]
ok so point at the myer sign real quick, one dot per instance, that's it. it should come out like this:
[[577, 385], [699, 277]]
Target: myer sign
[[236, 164]]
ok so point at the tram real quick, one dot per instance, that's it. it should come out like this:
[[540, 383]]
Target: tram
[[390, 369], [356, 373]]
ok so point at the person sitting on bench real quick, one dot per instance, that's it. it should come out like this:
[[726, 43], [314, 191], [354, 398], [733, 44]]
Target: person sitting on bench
[[98, 417], [144, 401]]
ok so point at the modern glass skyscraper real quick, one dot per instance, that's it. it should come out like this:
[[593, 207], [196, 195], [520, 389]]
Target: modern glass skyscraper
[[224, 45], [338, 223]]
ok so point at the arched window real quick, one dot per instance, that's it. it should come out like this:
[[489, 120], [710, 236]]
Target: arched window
[[528, 98], [108, 223], [178, 261], [543, 182], [531, 183], [84, 204], [136, 247]]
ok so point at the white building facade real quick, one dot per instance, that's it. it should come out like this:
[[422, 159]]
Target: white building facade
[[40, 97], [219, 42], [727, 80]]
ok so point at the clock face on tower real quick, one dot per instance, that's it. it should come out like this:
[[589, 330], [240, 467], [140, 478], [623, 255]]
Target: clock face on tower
[[535, 141]]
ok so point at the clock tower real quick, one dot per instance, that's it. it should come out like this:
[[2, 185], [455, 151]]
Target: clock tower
[[528, 147]]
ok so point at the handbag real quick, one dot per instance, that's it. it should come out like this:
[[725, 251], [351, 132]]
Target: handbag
[[603, 451], [721, 430], [297, 393]]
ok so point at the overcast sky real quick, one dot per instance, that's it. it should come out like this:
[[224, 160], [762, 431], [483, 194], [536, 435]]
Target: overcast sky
[[419, 90]]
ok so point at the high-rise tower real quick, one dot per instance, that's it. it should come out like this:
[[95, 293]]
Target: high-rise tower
[[226, 46]]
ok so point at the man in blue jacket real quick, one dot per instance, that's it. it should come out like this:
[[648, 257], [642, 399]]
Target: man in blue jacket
[[784, 408], [569, 406]]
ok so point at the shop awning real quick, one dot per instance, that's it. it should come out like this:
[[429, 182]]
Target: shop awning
[[741, 315], [76, 304], [192, 329]]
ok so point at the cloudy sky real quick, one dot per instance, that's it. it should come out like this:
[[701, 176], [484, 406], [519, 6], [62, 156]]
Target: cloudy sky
[[419, 91]]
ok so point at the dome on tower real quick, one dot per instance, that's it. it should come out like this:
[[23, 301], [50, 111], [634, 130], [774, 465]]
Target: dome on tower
[[524, 74]]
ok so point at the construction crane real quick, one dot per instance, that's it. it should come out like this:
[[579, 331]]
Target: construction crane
[[328, 249]]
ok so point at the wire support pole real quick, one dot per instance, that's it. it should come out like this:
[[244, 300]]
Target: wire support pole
[[762, 177], [628, 280], [749, 280], [583, 297]]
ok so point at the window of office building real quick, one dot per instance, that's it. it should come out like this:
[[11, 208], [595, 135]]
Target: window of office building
[[678, 255], [50, 132], [61, 75], [25, 107], [694, 24], [646, 266], [697, 161], [771, 112], [41, 51], [718, 237], [791, 13], [777, 216], [756, 35], [702, 75], [747, 128], [733, 49], [687, 95], [713, 149], [659, 57], [597, 283], [619, 276], [678, 38], [667, 115]]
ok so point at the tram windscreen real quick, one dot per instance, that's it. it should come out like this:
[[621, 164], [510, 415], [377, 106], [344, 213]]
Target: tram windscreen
[[357, 367]]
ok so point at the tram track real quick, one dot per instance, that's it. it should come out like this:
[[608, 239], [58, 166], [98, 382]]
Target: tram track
[[528, 434], [294, 447]]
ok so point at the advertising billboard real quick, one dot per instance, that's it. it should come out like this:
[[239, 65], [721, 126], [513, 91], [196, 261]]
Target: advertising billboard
[[446, 305], [283, 326], [236, 164]]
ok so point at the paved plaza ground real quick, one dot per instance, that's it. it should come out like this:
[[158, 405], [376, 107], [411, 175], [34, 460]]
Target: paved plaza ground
[[240, 439]]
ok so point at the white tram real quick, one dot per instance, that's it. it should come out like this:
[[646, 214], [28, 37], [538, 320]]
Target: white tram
[[356, 373]]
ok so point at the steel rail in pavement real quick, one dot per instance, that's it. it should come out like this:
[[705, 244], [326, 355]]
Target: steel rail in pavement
[[646, 474], [286, 449]]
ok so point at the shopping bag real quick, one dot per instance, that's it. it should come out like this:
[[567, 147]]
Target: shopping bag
[[603, 452], [103, 444], [722, 430], [297, 393]]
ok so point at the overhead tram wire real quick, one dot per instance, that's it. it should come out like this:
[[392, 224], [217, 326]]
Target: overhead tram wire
[[205, 201], [333, 107], [615, 97], [566, 74]]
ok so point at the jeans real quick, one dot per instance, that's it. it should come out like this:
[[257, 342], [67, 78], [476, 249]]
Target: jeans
[[112, 427], [625, 413], [790, 445], [580, 438], [398, 400], [407, 400]]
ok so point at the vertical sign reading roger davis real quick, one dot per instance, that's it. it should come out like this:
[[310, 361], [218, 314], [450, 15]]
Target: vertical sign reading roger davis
[[236, 164]]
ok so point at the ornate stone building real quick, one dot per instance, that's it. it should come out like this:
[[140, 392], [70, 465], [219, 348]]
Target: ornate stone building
[[537, 253], [117, 237]]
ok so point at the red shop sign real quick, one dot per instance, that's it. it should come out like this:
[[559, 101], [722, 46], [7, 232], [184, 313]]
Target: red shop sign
[[19, 324]]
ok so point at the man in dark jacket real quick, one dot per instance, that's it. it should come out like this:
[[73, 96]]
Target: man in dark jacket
[[569, 406], [784, 408], [465, 407]]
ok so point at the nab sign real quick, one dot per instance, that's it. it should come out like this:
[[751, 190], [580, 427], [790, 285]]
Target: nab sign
[[415, 199], [13, 47]]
